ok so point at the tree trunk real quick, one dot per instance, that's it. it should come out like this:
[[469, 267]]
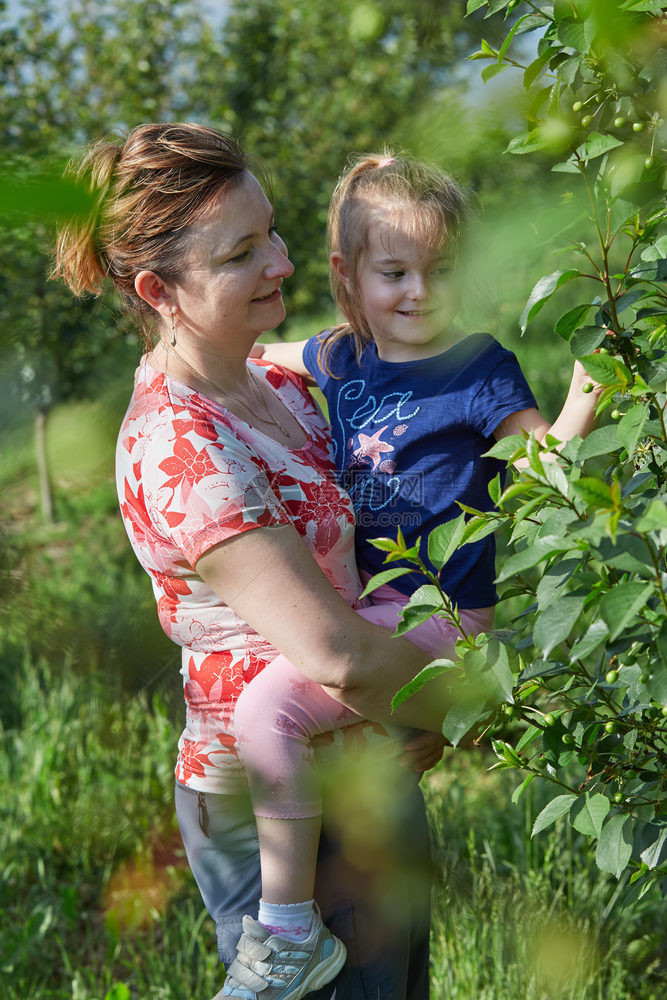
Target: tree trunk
[[45, 493]]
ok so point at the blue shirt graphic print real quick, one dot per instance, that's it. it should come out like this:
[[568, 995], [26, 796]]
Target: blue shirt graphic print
[[409, 439]]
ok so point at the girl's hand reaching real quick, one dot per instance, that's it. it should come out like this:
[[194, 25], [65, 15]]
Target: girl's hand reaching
[[582, 382]]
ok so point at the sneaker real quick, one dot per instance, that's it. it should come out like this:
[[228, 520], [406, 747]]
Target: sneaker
[[270, 967]]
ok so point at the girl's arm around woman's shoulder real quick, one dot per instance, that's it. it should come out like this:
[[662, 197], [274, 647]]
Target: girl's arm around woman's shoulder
[[288, 354]]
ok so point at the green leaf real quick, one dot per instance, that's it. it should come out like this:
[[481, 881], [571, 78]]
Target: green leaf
[[531, 21], [478, 528], [474, 5], [495, 489], [461, 717], [514, 29], [498, 662], [533, 453], [587, 339], [422, 605], [571, 34], [570, 320], [527, 142], [385, 544], [566, 167], [553, 579], [381, 578], [597, 145], [654, 270], [654, 517], [556, 478], [533, 555], [593, 812], [444, 540], [555, 623], [490, 71], [595, 492], [506, 447], [518, 792], [118, 992], [495, 6], [615, 845], [535, 68], [606, 369], [601, 441], [553, 811], [543, 291], [630, 426], [595, 635], [426, 674], [528, 737], [620, 605], [652, 855]]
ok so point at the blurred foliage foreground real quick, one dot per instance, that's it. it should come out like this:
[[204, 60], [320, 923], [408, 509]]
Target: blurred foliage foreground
[[95, 899]]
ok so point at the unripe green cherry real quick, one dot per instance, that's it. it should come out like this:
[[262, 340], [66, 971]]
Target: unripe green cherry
[[549, 719], [648, 162], [612, 676], [619, 122], [663, 711], [616, 414], [610, 727], [577, 106], [644, 678], [586, 120], [587, 387], [618, 796], [638, 126], [542, 763], [568, 740]]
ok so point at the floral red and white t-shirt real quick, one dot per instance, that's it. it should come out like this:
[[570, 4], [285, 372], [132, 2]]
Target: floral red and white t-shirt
[[191, 474]]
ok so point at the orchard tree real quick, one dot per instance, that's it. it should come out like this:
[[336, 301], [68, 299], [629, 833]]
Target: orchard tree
[[574, 691], [63, 83]]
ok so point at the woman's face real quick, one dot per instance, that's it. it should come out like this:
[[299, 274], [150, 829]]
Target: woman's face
[[230, 289]]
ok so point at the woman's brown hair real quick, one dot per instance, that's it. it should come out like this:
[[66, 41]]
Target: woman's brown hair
[[150, 189], [430, 203]]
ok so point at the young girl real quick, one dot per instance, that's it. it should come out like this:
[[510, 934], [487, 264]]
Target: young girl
[[414, 404]]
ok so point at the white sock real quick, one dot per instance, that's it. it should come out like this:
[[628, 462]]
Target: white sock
[[293, 921]]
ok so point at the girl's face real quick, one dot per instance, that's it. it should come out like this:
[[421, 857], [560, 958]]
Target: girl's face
[[230, 292], [407, 290]]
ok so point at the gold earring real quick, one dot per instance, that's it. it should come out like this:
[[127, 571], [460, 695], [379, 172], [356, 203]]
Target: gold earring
[[173, 326]]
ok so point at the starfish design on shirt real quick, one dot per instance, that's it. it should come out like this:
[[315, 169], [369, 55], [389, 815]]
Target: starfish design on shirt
[[371, 447]]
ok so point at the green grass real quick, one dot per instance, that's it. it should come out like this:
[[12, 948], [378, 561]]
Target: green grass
[[96, 900]]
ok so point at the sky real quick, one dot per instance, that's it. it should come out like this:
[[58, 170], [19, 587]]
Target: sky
[[215, 8]]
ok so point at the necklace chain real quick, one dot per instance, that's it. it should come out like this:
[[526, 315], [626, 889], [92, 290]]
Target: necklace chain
[[225, 392]]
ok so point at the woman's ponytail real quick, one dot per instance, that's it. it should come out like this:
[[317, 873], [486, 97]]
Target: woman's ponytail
[[79, 258]]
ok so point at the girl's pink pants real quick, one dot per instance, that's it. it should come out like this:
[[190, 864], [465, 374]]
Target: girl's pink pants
[[280, 712]]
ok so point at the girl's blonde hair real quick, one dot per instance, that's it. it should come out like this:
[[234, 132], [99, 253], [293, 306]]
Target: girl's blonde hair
[[431, 205], [149, 189]]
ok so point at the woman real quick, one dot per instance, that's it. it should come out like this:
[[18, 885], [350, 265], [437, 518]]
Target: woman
[[227, 490]]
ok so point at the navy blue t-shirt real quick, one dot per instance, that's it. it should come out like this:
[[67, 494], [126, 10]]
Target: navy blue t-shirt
[[409, 438]]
